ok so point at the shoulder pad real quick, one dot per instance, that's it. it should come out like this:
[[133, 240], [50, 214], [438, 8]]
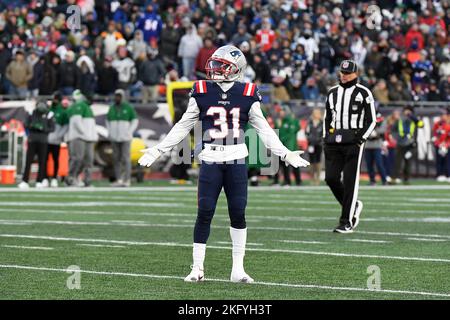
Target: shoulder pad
[[251, 90]]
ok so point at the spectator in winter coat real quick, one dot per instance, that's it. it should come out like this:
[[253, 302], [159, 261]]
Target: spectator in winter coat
[[86, 80], [68, 74], [151, 72], [262, 70], [190, 45], [19, 72], [126, 68], [39, 124], [241, 36], [138, 47], [314, 135], [150, 24], [170, 38], [204, 54], [81, 136], [48, 83], [441, 141], [55, 138], [37, 64], [108, 78], [121, 122]]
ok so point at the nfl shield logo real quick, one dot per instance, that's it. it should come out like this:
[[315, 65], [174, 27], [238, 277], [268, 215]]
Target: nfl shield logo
[[224, 96], [338, 138]]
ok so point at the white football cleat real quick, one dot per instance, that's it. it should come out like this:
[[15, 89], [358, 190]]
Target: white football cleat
[[54, 183], [241, 277], [45, 183], [196, 275], [23, 185]]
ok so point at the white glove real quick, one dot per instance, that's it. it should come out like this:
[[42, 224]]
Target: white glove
[[293, 158], [150, 156]]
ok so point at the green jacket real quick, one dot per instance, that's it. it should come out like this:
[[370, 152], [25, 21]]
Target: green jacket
[[81, 122], [288, 130], [61, 124], [121, 122]]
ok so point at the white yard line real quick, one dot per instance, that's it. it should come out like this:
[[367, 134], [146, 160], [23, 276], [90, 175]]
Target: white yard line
[[99, 245], [303, 241], [423, 239], [189, 245], [166, 225], [269, 284], [368, 241], [26, 247], [248, 243]]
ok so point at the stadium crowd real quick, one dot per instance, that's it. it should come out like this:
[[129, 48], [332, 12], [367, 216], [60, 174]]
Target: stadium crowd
[[293, 45]]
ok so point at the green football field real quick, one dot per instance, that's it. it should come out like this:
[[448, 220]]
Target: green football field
[[136, 244]]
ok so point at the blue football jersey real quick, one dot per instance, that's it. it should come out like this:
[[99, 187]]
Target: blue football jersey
[[224, 115]]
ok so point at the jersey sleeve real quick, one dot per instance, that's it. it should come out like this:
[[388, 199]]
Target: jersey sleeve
[[182, 128], [265, 132]]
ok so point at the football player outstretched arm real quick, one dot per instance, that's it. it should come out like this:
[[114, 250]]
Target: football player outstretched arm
[[271, 140], [174, 137]]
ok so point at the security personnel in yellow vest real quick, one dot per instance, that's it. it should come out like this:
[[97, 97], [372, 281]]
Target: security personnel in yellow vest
[[404, 131]]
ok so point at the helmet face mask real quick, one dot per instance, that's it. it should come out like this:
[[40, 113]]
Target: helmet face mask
[[226, 64], [220, 69]]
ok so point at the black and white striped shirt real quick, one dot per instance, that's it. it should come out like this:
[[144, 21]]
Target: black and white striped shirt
[[350, 106]]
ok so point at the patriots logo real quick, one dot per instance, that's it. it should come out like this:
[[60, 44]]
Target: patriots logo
[[235, 54]]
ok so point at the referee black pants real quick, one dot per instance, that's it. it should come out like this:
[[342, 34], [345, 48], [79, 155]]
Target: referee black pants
[[343, 159]]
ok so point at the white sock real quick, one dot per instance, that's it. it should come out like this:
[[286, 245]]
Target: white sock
[[239, 239], [198, 254]]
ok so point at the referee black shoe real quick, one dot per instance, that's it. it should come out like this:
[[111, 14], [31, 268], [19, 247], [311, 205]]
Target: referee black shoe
[[355, 219], [344, 228]]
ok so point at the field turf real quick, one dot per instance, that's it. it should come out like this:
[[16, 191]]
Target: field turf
[[136, 244]]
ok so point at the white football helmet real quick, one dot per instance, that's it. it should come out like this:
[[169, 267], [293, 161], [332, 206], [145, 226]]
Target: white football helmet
[[227, 63]]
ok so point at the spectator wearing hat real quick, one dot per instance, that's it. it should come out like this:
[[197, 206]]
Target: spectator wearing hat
[[55, 138], [150, 24], [441, 141], [309, 90], [107, 77], [68, 74], [203, 55], [81, 136], [39, 124], [19, 72], [170, 38], [404, 131], [314, 133], [5, 58], [190, 45], [137, 46], [151, 72], [241, 36], [121, 122], [126, 69], [37, 63], [110, 38], [265, 36], [48, 84], [373, 154]]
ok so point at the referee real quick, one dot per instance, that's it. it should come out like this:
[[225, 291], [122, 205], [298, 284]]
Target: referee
[[349, 119]]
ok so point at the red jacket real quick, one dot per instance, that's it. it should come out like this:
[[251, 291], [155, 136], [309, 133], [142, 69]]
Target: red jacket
[[203, 55], [265, 39], [391, 143], [441, 134], [411, 35]]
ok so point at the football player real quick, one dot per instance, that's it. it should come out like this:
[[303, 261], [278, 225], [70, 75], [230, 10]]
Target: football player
[[224, 105]]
